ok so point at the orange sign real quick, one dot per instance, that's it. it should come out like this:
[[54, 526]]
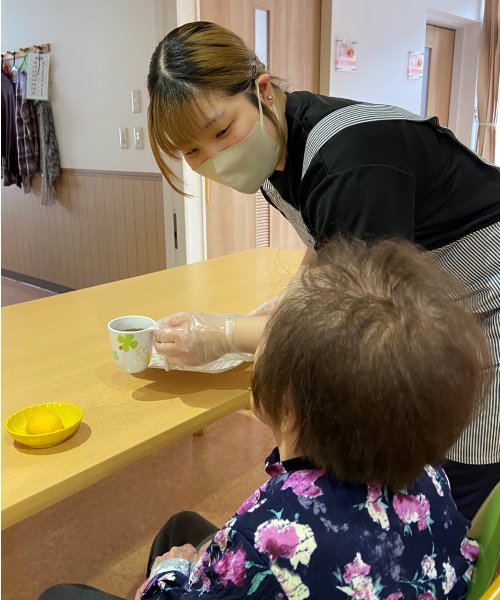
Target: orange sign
[[415, 65], [345, 56]]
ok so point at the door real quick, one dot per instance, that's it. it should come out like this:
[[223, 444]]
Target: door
[[230, 215], [440, 45], [238, 221]]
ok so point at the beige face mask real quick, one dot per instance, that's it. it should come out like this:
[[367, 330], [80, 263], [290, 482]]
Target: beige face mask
[[245, 166]]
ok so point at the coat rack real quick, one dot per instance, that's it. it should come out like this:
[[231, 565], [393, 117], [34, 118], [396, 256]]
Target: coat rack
[[33, 61], [21, 52]]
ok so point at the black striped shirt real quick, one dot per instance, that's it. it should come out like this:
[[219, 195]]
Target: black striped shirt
[[379, 171]]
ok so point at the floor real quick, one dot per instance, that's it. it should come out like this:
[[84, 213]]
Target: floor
[[101, 536], [15, 291]]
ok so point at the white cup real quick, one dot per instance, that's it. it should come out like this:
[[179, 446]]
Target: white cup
[[131, 340]]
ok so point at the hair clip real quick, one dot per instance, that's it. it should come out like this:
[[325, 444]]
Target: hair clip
[[254, 69]]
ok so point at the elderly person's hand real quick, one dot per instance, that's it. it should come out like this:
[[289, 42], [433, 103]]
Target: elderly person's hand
[[186, 552]]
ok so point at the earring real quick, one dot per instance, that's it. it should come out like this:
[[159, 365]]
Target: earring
[[269, 97]]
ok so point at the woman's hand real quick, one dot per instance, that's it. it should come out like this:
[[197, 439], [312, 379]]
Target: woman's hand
[[195, 338]]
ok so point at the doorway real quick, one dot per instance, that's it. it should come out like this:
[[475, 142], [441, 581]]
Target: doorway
[[438, 69], [236, 221]]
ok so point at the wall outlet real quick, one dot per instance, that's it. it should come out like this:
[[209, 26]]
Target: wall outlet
[[123, 133], [136, 100], [138, 138]]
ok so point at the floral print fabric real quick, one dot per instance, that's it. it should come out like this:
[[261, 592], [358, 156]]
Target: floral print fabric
[[304, 534]]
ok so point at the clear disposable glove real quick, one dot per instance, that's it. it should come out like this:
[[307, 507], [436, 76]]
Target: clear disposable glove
[[267, 308], [197, 339]]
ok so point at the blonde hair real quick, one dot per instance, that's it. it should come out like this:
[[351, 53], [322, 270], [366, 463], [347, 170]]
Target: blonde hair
[[192, 62]]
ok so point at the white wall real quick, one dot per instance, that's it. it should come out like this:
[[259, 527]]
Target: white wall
[[467, 9], [100, 51], [385, 30]]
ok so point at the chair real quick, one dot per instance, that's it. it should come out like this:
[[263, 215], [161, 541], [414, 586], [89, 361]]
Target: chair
[[493, 592], [485, 529]]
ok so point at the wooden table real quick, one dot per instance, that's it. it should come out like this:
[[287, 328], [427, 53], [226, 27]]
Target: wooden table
[[57, 349]]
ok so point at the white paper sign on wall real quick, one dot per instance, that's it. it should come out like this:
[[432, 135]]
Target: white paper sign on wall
[[345, 55], [37, 87]]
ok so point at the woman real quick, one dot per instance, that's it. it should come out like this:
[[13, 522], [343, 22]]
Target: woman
[[331, 166]]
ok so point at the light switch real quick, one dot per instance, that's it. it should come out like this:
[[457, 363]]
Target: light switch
[[123, 133], [136, 100], [138, 138]]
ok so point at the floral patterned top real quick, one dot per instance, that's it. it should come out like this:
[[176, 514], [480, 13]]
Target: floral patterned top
[[304, 534]]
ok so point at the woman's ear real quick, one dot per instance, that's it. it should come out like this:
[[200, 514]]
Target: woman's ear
[[265, 88]]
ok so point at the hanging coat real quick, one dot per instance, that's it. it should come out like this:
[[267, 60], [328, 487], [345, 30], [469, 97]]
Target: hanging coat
[[10, 165], [49, 151], [28, 148]]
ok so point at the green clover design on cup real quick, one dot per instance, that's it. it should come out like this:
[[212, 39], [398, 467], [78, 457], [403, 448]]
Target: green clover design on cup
[[131, 338], [127, 342]]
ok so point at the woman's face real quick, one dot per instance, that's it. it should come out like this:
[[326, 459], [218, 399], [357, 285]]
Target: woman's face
[[228, 122]]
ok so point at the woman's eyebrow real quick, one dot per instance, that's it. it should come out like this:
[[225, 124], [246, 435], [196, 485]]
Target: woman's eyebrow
[[214, 118]]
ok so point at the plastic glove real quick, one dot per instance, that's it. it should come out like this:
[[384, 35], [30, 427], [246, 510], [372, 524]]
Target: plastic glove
[[195, 339], [267, 308]]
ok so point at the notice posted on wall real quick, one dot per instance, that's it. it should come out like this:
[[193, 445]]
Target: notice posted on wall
[[415, 65], [345, 55], [37, 83]]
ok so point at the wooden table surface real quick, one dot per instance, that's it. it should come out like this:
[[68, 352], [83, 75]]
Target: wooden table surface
[[57, 349]]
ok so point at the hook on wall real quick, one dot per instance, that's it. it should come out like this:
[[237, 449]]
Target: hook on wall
[[12, 54], [25, 50], [15, 55]]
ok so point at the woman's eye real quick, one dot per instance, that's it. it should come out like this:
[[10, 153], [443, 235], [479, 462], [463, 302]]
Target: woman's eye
[[190, 152], [223, 132]]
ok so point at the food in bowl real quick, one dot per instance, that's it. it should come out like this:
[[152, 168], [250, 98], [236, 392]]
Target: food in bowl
[[69, 414], [43, 421]]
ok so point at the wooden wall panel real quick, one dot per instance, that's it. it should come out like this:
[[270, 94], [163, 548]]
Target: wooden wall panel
[[140, 224], [67, 241], [104, 226], [150, 218], [120, 228], [111, 232], [102, 230], [281, 233], [160, 222]]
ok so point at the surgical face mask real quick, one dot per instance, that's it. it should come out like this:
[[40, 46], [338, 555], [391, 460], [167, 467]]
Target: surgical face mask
[[245, 166]]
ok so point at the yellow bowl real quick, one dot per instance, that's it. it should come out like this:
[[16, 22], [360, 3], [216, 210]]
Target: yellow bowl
[[70, 415]]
